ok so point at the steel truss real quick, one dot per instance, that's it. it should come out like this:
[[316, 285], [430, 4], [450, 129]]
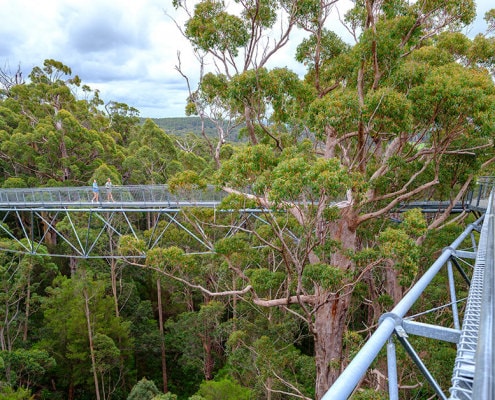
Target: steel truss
[[472, 377], [86, 232]]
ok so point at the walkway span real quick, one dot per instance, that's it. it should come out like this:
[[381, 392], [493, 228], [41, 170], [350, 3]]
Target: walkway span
[[35, 218], [123, 197]]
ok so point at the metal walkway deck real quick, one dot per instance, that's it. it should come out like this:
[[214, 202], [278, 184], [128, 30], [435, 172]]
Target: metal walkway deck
[[29, 217], [124, 197]]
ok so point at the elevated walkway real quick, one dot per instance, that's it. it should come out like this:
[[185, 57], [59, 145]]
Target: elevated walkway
[[123, 197]]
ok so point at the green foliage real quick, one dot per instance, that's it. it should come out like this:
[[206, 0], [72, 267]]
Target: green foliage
[[273, 362], [369, 394], [106, 353], [26, 366], [414, 223], [194, 338], [248, 167], [9, 393], [322, 275], [57, 137], [224, 389], [166, 396], [186, 181], [14, 183], [129, 246], [397, 245], [340, 111], [264, 280], [236, 202], [212, 27], [332, 46], [67, 339], [144, 390], [388, 111], [454, 42], [152, 157], [166, 259]]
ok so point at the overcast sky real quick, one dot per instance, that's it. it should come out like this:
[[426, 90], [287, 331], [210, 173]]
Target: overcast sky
[[127, 49]]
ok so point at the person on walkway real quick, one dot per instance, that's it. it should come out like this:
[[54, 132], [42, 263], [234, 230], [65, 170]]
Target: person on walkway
[[108, 186], [96, 191]]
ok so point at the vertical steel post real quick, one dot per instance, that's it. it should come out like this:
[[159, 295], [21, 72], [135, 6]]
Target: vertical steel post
[[453, 297], [393, 383]]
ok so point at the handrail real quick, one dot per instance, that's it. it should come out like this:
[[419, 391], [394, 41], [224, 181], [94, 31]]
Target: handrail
[[484, 382], [128, 194], [351, 376]]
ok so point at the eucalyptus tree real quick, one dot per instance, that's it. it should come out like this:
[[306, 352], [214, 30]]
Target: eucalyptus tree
[[401, 114], [88, 343], [54, 129], [235, 44], [23, 278], [152, 156]]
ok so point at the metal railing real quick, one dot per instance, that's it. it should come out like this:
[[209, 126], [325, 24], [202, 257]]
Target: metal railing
[[483, 383], [161, 194], [137, 195], [477, 199], [473, 372], [393, 322]]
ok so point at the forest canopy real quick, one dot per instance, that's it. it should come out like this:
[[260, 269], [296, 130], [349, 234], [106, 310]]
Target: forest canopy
[[281, 302]]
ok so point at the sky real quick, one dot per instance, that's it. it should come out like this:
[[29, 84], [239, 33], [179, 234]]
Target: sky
[[126, 49]]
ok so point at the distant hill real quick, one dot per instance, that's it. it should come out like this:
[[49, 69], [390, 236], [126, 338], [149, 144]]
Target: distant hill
[[185, 125]]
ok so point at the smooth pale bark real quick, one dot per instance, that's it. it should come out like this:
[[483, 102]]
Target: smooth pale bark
[[392, 286], [28, 307], [162, 336], [113, 273], [91, 344], [113, 277]]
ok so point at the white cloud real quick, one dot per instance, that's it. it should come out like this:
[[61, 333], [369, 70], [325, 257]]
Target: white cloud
[[126, 49]]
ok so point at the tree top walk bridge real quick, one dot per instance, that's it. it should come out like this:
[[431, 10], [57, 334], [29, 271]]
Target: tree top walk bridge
[[29, 216], [24, 209]]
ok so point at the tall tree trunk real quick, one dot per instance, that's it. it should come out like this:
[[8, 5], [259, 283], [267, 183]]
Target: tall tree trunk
[[209, 362], [113, 273], [329, 327], [249, 125], [91, 345], [392, 286], [162, 335], [49, 235], [331, 312], [70, 395], [28, 305], [73, 266], [113, 277], [234, 306], [3, 344]]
